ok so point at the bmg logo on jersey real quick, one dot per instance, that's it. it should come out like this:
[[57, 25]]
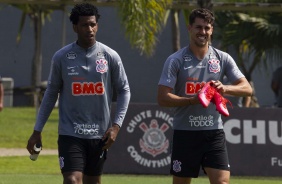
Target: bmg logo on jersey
[[192, 88], [87, 88]]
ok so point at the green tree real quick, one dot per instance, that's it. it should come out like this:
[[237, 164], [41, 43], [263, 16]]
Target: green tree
[[37, 14], [255, 39], [143, 20]]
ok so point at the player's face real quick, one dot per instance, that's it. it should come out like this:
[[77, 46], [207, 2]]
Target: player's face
[[86, 30], [200, 32]]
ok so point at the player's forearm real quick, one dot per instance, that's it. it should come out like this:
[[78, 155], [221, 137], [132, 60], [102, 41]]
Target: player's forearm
[[239, 90], [46, 107], [123, 99], [172, 100], [241, 87]]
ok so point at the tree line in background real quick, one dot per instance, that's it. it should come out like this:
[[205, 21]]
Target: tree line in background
[[254, 36]]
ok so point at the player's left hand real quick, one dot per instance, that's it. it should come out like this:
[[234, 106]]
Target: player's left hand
[[219, 86], [110, 136]]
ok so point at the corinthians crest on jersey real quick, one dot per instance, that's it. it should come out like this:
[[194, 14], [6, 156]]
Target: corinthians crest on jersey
[[102, 66], [214, 64]]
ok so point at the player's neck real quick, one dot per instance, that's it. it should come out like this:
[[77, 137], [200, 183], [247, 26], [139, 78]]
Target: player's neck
[[199, 52]]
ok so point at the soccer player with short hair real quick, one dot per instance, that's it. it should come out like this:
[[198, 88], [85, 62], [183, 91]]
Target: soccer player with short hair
[[198, 138], [84, 74]]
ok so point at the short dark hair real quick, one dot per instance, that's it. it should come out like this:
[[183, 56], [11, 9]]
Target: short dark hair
[[202, 13], [83, 9]]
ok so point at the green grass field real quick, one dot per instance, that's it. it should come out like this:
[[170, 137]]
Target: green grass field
[[16, 127]]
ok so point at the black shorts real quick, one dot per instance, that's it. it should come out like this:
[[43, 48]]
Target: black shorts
[[84, 155], [193, 149]]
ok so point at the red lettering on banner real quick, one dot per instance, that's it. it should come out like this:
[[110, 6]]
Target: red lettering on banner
[[192, 88], [87, 88]]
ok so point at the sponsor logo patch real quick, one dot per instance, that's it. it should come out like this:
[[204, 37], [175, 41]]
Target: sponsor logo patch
[[187, 57], [101, 54], [87, 88], [72, 70], [71, 55], [86, 129]]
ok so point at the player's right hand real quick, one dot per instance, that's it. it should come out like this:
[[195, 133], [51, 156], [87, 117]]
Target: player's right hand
[[35, 138]]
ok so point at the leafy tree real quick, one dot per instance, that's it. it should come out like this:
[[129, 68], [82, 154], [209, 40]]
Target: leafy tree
[[143, 20], [255, 39], [37, 14]]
